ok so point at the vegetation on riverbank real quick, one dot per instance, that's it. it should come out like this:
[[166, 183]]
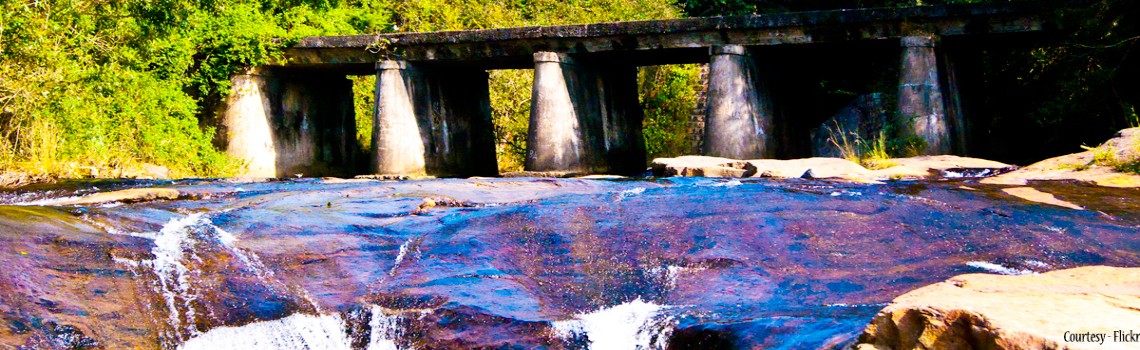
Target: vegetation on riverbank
[[114, 85]]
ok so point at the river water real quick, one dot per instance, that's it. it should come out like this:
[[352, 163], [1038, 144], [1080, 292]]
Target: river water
[[676, 263]]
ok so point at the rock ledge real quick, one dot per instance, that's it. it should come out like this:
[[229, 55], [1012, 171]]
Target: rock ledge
[[982, 311]]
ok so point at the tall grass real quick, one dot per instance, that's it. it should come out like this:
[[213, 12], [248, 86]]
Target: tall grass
[[872, 154]]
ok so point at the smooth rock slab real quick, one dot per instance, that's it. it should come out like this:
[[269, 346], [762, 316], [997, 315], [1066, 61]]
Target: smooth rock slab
[[983, 311], [130, 195]]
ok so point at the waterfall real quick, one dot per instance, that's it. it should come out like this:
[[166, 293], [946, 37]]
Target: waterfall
[[298, 331], [635, 325], [386, 329]]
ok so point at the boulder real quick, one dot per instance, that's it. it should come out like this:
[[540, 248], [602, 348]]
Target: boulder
[[701, 166], [145, 171], [17, 179], [1125, 146], [828, 168], [1065, 309], [944, 166], [127, 196], [862, 119]]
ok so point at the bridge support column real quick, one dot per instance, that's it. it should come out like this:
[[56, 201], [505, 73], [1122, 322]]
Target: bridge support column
[[432, 120], [739, 113], [921, 102], [584, 118], [283, 123]]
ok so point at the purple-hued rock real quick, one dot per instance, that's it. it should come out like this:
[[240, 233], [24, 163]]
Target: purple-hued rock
[[679, 263]]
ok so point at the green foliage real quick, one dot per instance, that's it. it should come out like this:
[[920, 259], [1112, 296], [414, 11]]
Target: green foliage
[[115, 84], [746, 7], [1108, 156], [510, 112], [363, 100], [435, 15], [872, 154], [668, 96]]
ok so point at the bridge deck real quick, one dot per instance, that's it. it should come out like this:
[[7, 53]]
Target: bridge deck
[[662, 41]]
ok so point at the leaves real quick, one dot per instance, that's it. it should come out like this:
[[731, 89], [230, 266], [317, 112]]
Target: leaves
[[116, 83]]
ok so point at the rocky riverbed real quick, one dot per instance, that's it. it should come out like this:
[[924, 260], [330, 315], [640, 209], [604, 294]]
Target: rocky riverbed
[[680, 263], [734, 254]]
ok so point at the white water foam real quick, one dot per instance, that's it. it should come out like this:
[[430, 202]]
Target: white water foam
[[718, 183], [386, 330], [171, 245], [667, 275], [1037, 263], [49, 201], [251, 260], [636, 325], [401, 255], [298, 331], [173, 276], [630, 192], [998, 269]]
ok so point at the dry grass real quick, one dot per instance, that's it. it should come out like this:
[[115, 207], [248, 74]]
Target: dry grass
[[871, 154]]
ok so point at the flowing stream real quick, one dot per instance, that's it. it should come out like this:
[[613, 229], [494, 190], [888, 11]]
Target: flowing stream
[[677, 263]]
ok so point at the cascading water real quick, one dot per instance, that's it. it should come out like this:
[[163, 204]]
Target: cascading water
[[298, 331], [531, 263], [632, 325]]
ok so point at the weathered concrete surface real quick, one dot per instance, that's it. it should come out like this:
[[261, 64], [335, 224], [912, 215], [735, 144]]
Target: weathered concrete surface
[[285, 123], [1124, 147], [396, 143], [686, 38], [982, 311], [432, 120], [584, 117], [921, 106], [860, 121], [246, 125], [739, 117], [961, 70]]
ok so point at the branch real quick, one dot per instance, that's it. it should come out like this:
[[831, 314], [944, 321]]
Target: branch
[[1122, 42]]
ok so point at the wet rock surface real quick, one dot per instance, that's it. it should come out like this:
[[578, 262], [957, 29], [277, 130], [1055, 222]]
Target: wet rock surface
[[556, 263], [913, 168], [1053, 310]]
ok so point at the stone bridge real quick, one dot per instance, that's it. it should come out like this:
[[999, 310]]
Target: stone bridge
[[432, 111]]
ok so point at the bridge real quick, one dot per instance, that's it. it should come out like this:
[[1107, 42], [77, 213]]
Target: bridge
[[432, 110]]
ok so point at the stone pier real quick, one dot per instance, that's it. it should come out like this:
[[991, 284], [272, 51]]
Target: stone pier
[[432, 121], [432, 114], [584, 117], [282, 123], [921, 103], [739, 114]]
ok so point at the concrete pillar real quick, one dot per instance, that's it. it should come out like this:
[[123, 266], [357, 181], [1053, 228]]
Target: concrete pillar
[[246, 125], [584, 117], [954, 83], [739, 113], [433, 120], [283, 123], [921, 105], [397, 145]]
